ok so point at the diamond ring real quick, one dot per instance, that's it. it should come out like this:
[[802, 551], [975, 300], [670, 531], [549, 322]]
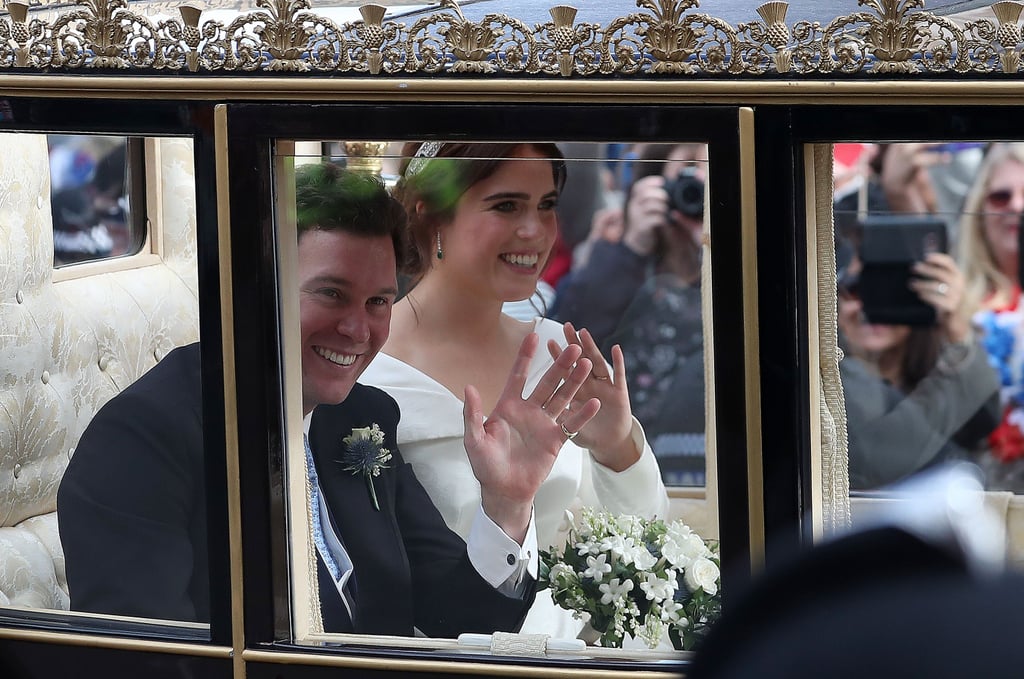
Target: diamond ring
[[570, 435]]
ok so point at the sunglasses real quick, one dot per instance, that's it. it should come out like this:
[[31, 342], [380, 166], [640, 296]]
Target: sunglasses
[[1000, 198]]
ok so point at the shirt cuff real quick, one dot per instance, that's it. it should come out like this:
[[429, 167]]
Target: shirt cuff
[[499, 559]]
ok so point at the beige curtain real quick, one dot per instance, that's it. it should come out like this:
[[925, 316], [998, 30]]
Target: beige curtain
[[834, 462]]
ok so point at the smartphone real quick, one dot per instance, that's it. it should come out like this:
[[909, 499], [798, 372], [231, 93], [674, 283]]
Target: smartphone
[[889, 247]]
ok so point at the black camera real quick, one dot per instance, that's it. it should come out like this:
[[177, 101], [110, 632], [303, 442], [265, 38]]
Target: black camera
[[686, 193], [890, 244]]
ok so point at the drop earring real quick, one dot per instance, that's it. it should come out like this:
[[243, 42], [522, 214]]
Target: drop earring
[[440, 252]]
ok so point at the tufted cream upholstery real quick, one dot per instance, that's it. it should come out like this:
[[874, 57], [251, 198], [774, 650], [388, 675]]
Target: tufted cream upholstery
[[66, 347]]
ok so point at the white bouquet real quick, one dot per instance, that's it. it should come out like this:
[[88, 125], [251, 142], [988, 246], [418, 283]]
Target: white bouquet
[[628, 575]]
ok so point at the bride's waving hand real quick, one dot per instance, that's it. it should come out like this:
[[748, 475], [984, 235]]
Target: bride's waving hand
[[609, 435], [513, 450]]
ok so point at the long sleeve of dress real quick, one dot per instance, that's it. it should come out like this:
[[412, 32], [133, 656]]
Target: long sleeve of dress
[[637, 490]]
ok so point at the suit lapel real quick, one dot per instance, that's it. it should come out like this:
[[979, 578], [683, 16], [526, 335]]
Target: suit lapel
[[371, 537]]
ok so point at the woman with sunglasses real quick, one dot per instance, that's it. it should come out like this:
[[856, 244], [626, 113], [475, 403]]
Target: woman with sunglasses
[[915, 395], [989, 252]]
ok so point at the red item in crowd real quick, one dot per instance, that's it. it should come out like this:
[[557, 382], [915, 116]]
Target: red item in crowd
[[559, 263], [1006, 441]]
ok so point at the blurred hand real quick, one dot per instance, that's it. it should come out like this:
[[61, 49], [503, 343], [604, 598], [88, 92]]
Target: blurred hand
[[608, 224], [646, 213], [905, 180], [941, 284], [609, 435], [513, 451], [681, 247]]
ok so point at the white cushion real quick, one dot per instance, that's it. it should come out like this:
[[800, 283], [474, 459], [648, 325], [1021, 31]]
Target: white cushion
[[66, 348]]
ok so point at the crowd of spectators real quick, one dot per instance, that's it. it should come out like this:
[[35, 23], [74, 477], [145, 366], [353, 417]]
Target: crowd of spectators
[[628, 268], [922, 395]]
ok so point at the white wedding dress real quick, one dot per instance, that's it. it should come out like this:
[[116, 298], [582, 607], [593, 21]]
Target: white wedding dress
[[430, 437]]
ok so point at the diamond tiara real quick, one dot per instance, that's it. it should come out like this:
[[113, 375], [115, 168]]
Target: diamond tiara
[[425, 152]]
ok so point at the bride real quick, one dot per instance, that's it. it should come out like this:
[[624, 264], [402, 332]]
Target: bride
[[482, 222]]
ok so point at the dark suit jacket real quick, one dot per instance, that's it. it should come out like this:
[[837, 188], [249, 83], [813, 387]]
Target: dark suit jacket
[[132, 516]]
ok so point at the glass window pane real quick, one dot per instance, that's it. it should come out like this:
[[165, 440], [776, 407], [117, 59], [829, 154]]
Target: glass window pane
[[498, 232], [94, 181], [928, 287], [93, 521]]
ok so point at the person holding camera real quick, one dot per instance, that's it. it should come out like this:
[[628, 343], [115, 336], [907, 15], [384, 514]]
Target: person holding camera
[[916, 395], [640, 289]]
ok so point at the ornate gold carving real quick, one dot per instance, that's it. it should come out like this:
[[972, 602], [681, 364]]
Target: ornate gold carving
[[566, 47], [365, 156], [1008, 34], [895, 39], [497, 43], [664, 37], [19, 35], [677, 42], [773, 35]]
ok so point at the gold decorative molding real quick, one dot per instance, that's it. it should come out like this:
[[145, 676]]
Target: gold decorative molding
[[365, 156], [670, 38]]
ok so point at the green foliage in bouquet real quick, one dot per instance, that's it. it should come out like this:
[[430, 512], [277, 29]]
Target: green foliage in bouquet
[[628, 575]]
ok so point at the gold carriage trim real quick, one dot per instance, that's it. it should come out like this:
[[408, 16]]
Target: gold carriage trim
[[668, 38]]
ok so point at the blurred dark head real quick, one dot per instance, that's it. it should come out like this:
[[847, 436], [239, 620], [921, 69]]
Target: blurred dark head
[[71, 210]]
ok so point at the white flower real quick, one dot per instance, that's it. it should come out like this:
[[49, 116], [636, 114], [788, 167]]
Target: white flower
[[670, 610], [562, 572], [372, 432], [597, 567], [658, 589], [650, 559], [616, 544], [629, 525], [682, 550], [614, 590], [703, 574], [568, 520], [642, 558], [677, 530], [651, 631]]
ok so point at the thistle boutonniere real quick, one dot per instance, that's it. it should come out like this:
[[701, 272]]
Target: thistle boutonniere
[[365, 454]]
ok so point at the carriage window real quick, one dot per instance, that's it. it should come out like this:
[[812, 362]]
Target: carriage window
[[97, 185], [599, 245], [929, 312], [98, 504]]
